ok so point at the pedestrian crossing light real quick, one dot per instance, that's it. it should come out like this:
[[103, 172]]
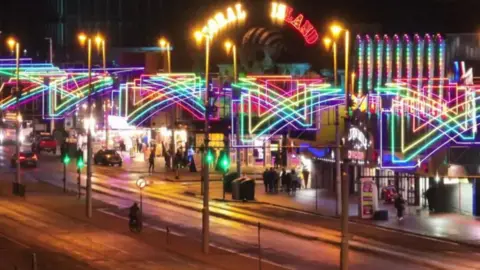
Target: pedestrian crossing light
[[66, 159], [209, 157], [80, 163], [225, 163]]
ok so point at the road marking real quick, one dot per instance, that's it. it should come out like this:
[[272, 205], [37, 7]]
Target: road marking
[[14, 241], [105, 211], [249, 256]]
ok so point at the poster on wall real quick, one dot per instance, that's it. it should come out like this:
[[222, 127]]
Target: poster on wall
[[367, 198]]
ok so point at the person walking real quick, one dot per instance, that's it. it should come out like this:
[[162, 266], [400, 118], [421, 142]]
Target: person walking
[[274, 178], [283, 178], [400, 206], [151, 162], [294, 182], [265, 180]]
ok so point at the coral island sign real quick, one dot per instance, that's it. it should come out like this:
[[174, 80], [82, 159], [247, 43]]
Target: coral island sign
[[303, 26]]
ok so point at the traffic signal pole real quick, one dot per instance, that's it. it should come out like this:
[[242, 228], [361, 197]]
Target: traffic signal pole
[[64, 177]]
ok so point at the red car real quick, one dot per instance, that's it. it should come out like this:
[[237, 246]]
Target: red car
[[47, 143]]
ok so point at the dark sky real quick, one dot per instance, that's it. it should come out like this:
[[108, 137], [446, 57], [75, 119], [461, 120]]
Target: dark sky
[[27, 18]]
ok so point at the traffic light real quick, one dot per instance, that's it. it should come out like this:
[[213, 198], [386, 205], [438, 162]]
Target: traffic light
[[80, 162], [225, 163], [209, 157], [66, 159]]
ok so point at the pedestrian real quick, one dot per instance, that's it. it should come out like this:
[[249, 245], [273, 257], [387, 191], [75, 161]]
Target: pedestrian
[[400, 206], [294, 182], [151, 162], [265, 180], [277, 160], [275, 178], [284, 180], [271, 179], [288, 182], [430, 195], [167, 159]]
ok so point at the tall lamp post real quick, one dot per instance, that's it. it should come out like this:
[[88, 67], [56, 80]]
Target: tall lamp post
[[14, 45], [229, 46], [165, 45], [205, 211], [341, 179], [88, 39], [50, 56]]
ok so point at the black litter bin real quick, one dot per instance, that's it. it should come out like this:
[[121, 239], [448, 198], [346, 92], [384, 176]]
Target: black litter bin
[[380, 215], [236, 188], [228, 179], [247, 189]]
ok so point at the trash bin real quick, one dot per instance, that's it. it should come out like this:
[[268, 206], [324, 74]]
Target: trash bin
[[18, 189], [228, 179], [380, 215], [236, 188], [247, 189]]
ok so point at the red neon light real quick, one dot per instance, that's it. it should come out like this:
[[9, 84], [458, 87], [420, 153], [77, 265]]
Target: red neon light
[[304, 27]]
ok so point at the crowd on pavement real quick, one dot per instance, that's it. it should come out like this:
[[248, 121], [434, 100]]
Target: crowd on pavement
[[283, 181]]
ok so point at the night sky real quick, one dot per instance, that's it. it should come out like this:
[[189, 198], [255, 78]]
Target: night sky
[[27, 18]]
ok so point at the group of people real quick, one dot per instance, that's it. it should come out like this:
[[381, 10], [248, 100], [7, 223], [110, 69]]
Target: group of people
[[285, 181]]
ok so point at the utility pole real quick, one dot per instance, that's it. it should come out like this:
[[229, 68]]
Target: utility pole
[[344, 220], [206, 210], [50, 56], [19, 116]]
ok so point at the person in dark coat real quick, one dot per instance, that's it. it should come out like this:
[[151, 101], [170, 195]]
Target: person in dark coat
[[284, 180], [265, 180], [275, 178], [151, 162], [430, 195], [400, 206], [288, 182]]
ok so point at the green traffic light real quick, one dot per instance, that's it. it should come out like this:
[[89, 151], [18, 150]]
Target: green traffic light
[[209, 157], [66, 160], [225, 163], [80, 163]]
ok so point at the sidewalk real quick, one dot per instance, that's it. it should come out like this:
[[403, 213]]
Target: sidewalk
[[447, 226], [55, 221], [139, 165]]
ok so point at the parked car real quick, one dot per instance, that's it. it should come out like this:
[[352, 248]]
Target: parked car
[[107, 157], [45, 142], [27, 159]]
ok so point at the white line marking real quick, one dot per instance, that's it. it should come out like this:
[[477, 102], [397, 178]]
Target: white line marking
[[145, 223], [14, 241], [250, 256]]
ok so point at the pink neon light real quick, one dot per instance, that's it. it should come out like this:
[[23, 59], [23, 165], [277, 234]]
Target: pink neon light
[[304, 27]]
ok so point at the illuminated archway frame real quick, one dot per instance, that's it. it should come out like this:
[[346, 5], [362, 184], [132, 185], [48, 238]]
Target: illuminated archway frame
[[279, 12]]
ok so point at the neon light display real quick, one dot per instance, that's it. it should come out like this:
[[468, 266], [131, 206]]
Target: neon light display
[[221, 20], [304, 27], [271, 103]]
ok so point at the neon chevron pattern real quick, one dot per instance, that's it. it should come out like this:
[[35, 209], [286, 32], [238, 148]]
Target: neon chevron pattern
[[270, 103]]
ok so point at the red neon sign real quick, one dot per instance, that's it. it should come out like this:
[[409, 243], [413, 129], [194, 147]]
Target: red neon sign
[[304, 27]]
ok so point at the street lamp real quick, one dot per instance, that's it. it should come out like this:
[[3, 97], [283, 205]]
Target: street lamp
[[14, 45], [83, 38], [205, 211], [230, 46], [336, 30], [165, 44]]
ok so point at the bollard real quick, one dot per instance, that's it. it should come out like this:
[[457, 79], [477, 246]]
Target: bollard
[[168, 234], [34, 261], [259, 249]]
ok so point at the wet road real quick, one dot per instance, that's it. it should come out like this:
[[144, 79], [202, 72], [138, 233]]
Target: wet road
[[280, 248]]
